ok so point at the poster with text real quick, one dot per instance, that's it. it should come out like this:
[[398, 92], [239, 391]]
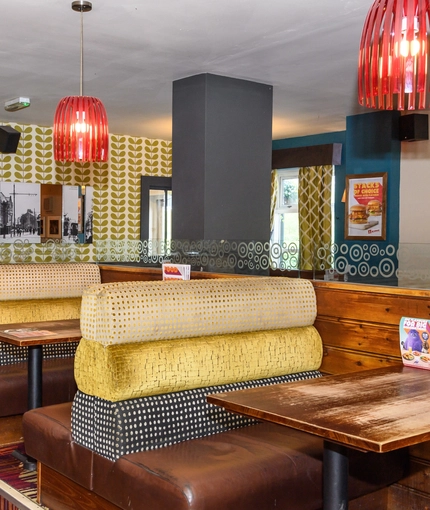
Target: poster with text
[[365, 206]]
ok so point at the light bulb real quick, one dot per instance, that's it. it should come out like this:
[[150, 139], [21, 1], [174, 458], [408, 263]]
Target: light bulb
[[81, 127], [415, 47], [80, 124], [404, 48]]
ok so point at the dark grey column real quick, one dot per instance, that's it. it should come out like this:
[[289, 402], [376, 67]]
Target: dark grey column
[[222, 150]]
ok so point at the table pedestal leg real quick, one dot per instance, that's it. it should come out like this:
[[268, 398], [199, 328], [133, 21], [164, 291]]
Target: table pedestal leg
[[35, 355], [335, 474]]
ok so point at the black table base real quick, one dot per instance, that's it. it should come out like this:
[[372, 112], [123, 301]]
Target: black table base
[[35, 357], [335, 476]]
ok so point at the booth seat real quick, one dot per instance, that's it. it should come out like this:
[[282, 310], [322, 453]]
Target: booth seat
[[140, 434], [34, 293]]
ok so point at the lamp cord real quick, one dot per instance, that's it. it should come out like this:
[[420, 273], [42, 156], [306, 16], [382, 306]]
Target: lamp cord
[[82, 53]]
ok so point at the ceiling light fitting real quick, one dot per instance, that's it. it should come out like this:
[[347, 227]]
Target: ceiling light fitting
[[393, 57], [80, 123]]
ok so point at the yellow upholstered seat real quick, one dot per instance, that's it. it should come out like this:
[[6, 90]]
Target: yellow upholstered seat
[[42, 292], [124, 371], [147, 338], [46, 281]]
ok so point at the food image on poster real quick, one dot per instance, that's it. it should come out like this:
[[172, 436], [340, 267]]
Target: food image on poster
[[374, 208]]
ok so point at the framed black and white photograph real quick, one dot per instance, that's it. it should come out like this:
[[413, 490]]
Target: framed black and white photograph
[[71, 213], [19, 212]]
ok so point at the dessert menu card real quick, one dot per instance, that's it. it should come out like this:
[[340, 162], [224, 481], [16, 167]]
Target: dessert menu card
[[28, 332], [414, 342], [176, 271]]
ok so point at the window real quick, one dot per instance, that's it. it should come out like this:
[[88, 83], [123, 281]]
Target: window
[[286, 219], [285, 236]]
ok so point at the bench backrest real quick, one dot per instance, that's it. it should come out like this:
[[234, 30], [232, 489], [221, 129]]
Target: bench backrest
[[148, 338], [42, 292]]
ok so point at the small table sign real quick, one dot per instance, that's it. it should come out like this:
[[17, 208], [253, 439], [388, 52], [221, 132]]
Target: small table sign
[[414, 342], [176, 271]]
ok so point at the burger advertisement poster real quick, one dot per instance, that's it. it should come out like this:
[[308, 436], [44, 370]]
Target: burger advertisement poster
[[365, 206]]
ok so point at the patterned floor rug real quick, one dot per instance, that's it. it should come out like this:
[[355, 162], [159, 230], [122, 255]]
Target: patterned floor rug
[[18, 487]]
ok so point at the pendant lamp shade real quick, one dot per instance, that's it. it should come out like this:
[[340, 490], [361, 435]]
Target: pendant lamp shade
[[81, 130], [393, 56]]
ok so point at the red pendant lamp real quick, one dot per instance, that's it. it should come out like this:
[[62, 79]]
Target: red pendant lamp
[[80, 124], [392, 63]]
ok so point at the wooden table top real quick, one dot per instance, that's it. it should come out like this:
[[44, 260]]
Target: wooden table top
[[373, 410], [26, 334]]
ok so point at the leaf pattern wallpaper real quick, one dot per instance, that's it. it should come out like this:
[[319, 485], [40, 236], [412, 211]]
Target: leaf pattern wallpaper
[[116, 187]]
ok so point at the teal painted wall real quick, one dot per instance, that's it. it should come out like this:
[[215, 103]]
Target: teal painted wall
[[370, 144], [373, 145]]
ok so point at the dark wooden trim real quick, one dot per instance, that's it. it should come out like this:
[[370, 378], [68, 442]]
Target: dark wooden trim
[[58, 492], [123, 273], [313, 155]]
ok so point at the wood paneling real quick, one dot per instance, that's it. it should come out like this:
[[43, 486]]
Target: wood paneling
[[359, 324], [10, 430], [342, 361], [58, 492], [401, 498], [363, 336]]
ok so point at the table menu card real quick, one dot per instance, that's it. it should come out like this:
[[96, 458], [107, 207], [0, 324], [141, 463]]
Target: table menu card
[[414, 342], [28, 332], [176, 271]]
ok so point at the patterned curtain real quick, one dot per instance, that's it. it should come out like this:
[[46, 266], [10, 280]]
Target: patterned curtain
[[315, 222], [273, 197]]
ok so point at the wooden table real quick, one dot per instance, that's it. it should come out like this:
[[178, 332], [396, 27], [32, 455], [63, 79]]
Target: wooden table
[[35, 335], [374, 410]]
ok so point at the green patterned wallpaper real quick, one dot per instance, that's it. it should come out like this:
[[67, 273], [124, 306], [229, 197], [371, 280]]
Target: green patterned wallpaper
[[116, 186]]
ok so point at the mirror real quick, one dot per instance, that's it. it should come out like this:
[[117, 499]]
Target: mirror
[[37, 213]]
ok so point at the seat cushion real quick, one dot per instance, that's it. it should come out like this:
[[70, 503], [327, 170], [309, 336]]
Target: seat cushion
[[58, 385], [260, 467], [48, 438]]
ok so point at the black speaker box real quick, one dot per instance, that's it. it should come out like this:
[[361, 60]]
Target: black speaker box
[[414, 127], [9, 139]]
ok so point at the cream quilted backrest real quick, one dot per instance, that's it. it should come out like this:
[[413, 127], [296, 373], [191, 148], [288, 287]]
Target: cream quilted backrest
[[46, 281], [119, 313]]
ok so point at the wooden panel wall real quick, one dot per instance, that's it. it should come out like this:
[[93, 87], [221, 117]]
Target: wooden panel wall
[[359, 324]]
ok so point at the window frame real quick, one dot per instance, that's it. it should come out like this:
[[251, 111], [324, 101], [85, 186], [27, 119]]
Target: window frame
[[282, 174]]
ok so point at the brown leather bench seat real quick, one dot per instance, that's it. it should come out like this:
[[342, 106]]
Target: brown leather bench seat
[[261, 466], [58, 385]]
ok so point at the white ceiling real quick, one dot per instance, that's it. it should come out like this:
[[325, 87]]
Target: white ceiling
[[134, 50]]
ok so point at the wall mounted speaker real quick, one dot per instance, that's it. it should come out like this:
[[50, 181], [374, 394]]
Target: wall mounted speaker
[[9, 139], [414, 127]]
